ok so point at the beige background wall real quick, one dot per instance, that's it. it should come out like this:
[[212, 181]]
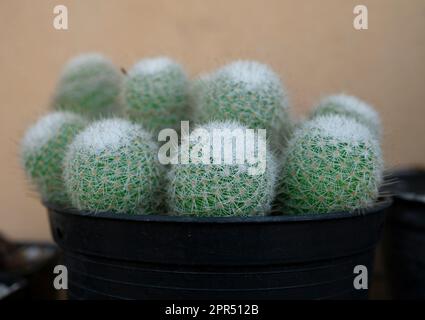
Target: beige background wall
[[311, 43]]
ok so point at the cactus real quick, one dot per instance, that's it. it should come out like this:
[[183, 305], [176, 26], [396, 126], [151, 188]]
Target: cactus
[[111, 166], [90, 85], [248, 92], [352, 107], [156, 94], [332, 163], [224, 189], [196, 92], [43, 149]]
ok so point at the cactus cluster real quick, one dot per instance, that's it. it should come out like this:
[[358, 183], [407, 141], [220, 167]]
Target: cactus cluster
[[156, 93], [43, 149], [245, 91], [224, 188], [332, 163], [352, 107], [111, 166], [90, 85]]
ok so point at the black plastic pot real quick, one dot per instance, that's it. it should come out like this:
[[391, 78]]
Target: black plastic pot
[[112, 256], [35, 262], [39, 270], [12, 288], [404, 241]]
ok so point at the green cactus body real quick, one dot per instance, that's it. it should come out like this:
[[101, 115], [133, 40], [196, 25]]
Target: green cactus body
[[332, 163], [221, 190], [248, 92], [90, 85], [351, 107], [156, 94], [111, 167], [43, 149], [196, 93]]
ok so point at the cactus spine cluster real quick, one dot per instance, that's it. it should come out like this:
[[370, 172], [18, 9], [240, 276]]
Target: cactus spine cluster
[[43, 149], [332, 163], [111, 166], [351, 107], [156, 93], [90, 85], [245, 91], [222, 189]]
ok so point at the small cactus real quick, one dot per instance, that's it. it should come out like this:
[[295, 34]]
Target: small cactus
[[245, 91], [156, 93], [332, 163], [111, 166], [223, 189], [90, 85], [196, 92], [352, 107], [43, 149]]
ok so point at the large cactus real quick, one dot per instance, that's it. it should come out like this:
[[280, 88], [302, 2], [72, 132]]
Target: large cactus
[[112, 166], [156, 93], [90, 84], [245, 91], [352, 107], [43, 149], [222, 189], [332, 163]]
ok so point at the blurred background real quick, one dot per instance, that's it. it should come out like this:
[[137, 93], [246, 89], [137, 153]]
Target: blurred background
[[311, 44]]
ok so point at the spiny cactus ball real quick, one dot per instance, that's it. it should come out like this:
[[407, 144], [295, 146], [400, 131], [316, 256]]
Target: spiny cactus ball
[[156, 93], [332, 163], [222, 189], [245, 91], [90, 84], [352, 107], [111, 166], [196, 93], [43, 149]]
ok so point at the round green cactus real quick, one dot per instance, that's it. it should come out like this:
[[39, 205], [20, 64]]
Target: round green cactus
[[43, 149], [111, 166], [332, 163], [90, 85], [156, 93], [222, 189], [352, 107], [196, 93], [248, 92]]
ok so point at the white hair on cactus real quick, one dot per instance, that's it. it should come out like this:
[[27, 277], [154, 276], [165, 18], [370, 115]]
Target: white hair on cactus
[[246, 91], [110, 134], [222, 125], [153, 65], [222, 189], [90, 85], [47, 128], [43, 149], [354, 104], [251, 73], [350, 106], [156, 93], [332, 164], [340, 128], [112, 167], [226, 130], [85, 59]]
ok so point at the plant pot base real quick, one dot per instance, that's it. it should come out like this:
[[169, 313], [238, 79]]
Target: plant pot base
[[157, 257]]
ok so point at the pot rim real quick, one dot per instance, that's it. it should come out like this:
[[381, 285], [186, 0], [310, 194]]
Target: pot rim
[[405, 175], [406, 171], [381, 204]]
